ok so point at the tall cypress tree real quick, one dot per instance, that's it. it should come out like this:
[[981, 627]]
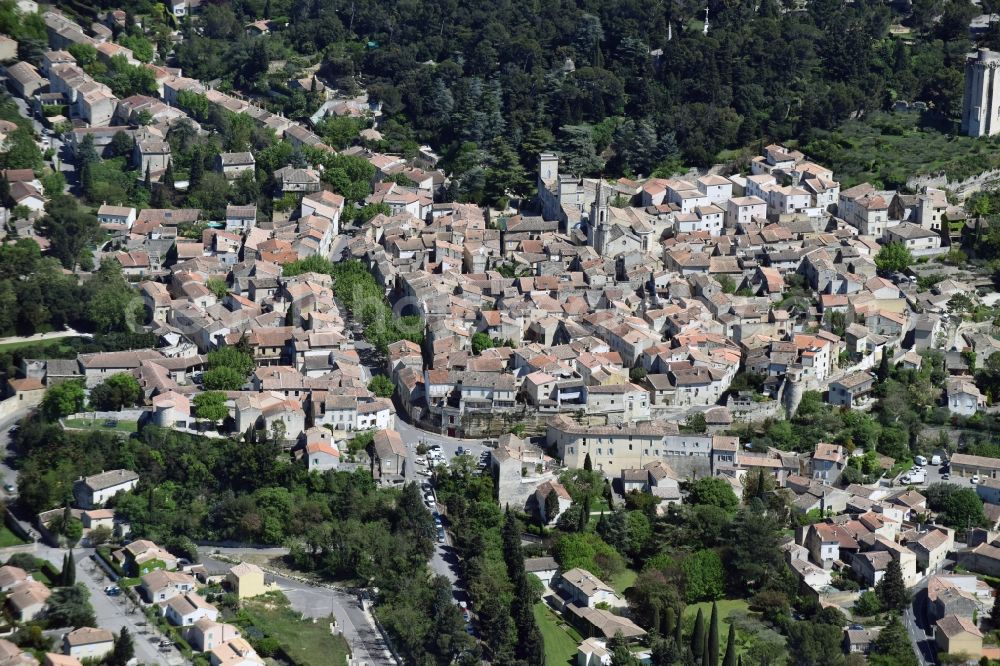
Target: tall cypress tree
[[679, 629], [669, 619], [197, 170], [588, 465], [69, 570], [730, 659], [698, 636], [584, 514], [168, 177], [713, 637]]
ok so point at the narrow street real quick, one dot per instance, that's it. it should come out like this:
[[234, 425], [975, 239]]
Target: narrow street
[[914, 619]]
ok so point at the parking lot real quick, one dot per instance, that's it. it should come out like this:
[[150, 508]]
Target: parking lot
[[937, 474]]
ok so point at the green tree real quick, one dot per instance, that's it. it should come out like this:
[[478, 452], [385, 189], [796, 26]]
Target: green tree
[[111, 299], [893, 257], [116, 392], [713, 491], [480, 342], [730, 658], [704, 576], [892, 646], [223, 378], [551, 505], [811, 644], [621, 654], [99, 536], [218, 287], [868, 604], [232, 357], [63, 399], [713, 636], [698, 635], [69, 229], [124, 649], [70, 607], [72, 531], [68, 574], [589, 466], [381, 386], [211, 406], [753, 557], [891, 590]]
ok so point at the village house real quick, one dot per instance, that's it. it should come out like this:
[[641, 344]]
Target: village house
[[954, 635], [93, 491], [185, 609], [88, 643], [160, 585], [388, 454], [583, 588], [231, 165], [246, 580], [963, 396]]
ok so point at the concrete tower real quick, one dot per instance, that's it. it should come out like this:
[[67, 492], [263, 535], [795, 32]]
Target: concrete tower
[[981, 101]]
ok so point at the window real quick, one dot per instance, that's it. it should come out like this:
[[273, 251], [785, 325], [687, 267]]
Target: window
[[611, 452], [598, 452]]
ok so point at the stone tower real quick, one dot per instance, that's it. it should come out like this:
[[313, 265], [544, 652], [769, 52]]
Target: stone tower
[[599, 219], [981, 100]]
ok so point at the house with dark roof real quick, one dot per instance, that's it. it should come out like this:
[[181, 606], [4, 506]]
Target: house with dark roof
[[93, 491], [231, 165]]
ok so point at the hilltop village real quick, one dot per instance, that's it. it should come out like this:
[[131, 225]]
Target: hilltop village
[[629, 409]]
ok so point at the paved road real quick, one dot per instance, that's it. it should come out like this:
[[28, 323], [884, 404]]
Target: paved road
[[322, 601], [113, 613], [62, 159], [915, 620], [39, 337]]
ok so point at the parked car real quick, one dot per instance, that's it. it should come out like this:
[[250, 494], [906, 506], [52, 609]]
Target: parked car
[[935, 460], [974, 479], [945, 476]]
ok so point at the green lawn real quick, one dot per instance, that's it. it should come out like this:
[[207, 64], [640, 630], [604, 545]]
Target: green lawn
[[307, 643], [8, 538], [726, 606], [560, 639], [98, 424], [624, 580]]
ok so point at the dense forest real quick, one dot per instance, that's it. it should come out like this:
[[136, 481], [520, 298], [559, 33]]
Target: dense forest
[[620, 87]]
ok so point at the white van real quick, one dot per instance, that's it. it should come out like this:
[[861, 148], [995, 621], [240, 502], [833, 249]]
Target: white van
[[920, 460], [935, 460]]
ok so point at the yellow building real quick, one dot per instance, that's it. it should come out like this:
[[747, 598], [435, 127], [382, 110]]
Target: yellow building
[[956, 634], [246, 580]]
